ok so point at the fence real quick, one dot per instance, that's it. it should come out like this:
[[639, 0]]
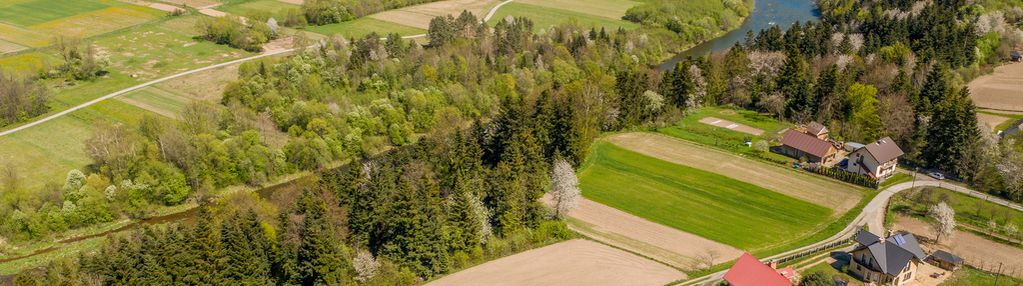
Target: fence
[[812, 251], [843, 175], [998, 268]]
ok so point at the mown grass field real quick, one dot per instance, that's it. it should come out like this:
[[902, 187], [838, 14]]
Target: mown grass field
[[690, 129], [613, 9], [258, 8], [162, 48], [545, 17], [35, 23], [363, 26], [696, 201], [157, 100]]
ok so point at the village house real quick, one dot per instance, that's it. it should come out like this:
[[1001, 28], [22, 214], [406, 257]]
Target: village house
[[889, 260], [877, 160], [748, 271], [801, 145]]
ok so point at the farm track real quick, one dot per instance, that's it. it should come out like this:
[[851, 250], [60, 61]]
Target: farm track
[[174, 76]]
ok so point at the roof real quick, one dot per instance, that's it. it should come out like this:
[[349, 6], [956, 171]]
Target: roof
[[894, 253], [945, 256], [749, 271], [806, 143], [816, 128], [884, 150]]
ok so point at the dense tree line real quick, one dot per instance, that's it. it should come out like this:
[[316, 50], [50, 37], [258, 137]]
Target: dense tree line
[[694, 21], [21, 98], [322, 12], [249, 35]]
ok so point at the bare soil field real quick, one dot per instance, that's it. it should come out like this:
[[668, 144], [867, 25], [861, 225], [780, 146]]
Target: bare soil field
[[613, 9], [574, 262], [973, 248], [419, 16], [8, 47], [714, 121], [1002, 90], [296, 2], [665, 244], [825, 192], [212, 13]]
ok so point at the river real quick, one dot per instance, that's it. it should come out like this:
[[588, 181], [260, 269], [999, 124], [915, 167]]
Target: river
[[766, 13]]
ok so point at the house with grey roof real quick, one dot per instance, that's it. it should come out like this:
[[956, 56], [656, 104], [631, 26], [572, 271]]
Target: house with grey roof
[[877, 160], [890, 260]]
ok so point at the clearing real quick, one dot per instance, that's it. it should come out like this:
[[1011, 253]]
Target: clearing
[[546, 17], [419, 16], [703, 203], [808, 187], [574, 262], [714, 121], [691, 129], [1001, 89], [974, 249], [661, 243]]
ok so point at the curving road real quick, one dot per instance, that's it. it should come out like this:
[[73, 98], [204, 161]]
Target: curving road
[[872, 216], [174, 76]]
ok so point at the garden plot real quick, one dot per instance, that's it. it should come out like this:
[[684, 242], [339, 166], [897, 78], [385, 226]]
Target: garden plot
[[574, 262], [714, 121], [419, 16], [838, 196], [1002, 90]]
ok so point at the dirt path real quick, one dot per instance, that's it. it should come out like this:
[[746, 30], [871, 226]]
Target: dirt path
[[419, 16], [835, 195], [574, 262], [973, 248], [991, 120], [1000, 90], [665, 244]]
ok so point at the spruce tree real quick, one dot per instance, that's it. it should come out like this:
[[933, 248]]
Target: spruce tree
[[953, 135], [320, 257]]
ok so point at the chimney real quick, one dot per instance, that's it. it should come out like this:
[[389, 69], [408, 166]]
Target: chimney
[[774, 264], [889, 233]]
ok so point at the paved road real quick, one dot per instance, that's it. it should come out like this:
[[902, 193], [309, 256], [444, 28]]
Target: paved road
[[872, 216], [143, 85]]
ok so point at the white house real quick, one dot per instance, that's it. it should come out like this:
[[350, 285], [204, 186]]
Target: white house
[[877, 160]]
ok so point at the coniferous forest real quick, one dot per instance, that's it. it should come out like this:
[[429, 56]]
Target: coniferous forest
[[432, 158]]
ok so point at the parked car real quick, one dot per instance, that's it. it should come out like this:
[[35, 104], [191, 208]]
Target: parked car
[[936, 175]]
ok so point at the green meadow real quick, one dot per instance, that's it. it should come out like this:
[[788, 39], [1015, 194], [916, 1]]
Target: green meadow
[[27, 13], [363, 26], [699, 202], [545, 17]]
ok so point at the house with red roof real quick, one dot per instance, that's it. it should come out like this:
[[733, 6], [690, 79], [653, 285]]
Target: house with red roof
[[749, 271]]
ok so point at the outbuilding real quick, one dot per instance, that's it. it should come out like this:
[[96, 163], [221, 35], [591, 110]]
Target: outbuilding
[[801, 145], [945, 260]]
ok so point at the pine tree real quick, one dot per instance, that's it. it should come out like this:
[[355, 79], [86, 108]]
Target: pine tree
[[793, 81], [320, 257], [952, 135], [935, 89], [243, 264], [206, 259]]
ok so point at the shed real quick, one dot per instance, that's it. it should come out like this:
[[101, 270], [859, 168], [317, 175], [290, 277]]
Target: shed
[[945, 260], [801, 145]]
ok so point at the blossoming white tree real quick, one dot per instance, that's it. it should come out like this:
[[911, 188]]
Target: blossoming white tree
[[945, 220], [564, 187]]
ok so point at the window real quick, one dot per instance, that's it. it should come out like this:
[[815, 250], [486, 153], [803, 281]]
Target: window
[[908, 274]]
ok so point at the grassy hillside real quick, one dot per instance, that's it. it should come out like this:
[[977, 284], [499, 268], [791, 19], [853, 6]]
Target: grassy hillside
[[696, 201]]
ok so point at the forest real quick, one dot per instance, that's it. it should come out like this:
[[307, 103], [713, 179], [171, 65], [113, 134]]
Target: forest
[[447, 147]]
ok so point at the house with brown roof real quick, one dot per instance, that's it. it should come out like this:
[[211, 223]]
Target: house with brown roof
[[817, 130], [891, 260], [877, 160], [801, 145]]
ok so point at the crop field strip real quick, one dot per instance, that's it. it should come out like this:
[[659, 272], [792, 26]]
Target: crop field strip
[[28, 13], [273, 8], [419, 16], [697, 201], [363, 26]]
